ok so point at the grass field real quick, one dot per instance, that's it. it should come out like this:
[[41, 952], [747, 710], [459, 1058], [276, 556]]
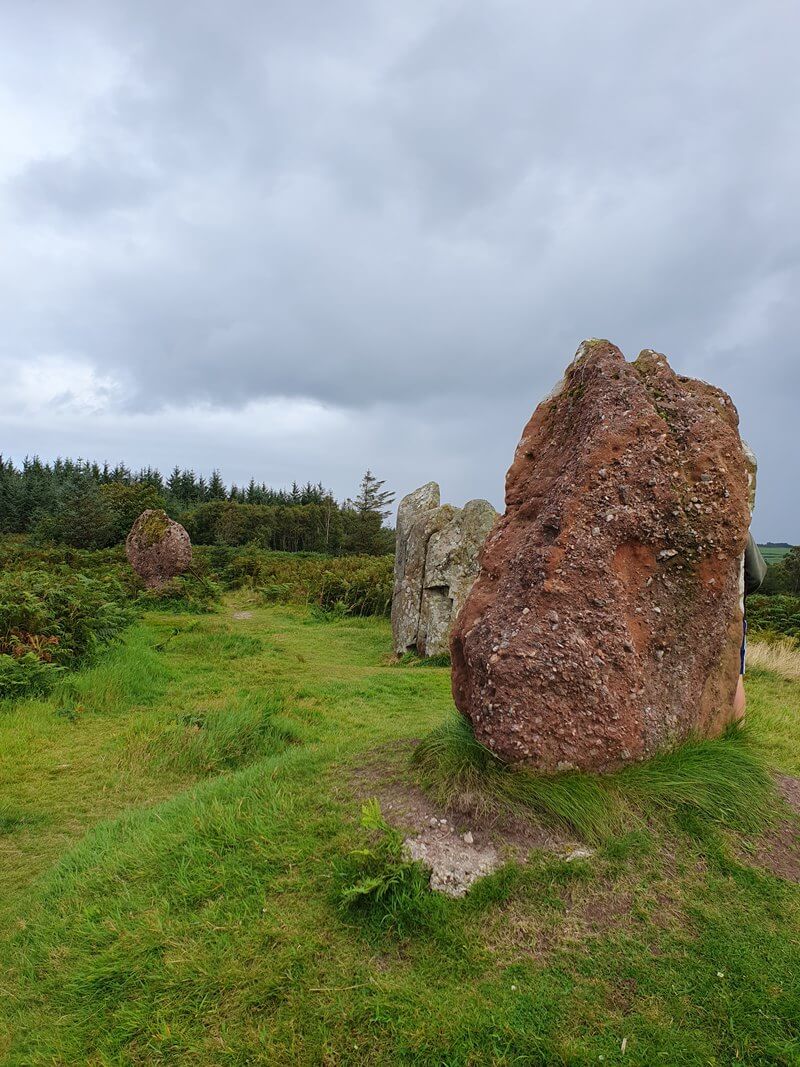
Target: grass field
[[172, 822], [773, 553]]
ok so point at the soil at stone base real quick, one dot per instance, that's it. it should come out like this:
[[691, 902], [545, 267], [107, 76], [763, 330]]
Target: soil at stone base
[[777, 849], [789, 788], [458, 846]]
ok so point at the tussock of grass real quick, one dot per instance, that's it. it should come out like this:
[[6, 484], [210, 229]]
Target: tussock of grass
[[720, 780], [134, 675], [780, 657], [210, 742], [220, 644]]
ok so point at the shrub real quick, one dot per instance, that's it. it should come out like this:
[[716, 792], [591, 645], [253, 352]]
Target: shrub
[[365, 588], [53, 621], [25, 675], [774, 615], [17, 554], [190, 593], [351, 585]]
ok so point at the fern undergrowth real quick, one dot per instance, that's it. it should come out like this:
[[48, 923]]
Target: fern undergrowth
[[381, 883]]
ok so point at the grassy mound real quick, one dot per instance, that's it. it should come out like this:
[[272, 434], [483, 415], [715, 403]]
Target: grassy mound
[[208, 742]]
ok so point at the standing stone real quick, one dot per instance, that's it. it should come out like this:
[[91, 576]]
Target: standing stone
[[605, 623], [751, 463], [408, 567], [451, 567], [158, 548], [435, 565]]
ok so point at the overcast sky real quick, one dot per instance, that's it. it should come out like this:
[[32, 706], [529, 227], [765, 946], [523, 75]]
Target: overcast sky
[[292, 240]]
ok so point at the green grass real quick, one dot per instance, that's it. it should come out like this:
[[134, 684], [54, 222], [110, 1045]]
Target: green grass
[[724, 781], [773, 553], [206, 742], [179, 824]]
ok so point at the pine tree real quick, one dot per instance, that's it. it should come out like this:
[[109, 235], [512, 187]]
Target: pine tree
[[364, 517], [216, 487], [372, 499]]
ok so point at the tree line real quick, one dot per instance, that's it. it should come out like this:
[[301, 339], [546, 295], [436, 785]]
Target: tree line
[[89, 505], [783, 577]]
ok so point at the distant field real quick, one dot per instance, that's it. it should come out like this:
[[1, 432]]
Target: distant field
[[773, 553]]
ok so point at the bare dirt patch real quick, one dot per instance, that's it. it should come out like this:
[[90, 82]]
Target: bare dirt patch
[[574, 916], [789, 788], [777, 850], [459, 844], [241, 614]]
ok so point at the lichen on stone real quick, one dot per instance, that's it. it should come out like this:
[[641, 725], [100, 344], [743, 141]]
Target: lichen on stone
[[152, 527]]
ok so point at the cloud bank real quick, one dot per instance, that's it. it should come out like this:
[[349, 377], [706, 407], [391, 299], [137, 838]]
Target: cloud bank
[[297, 240]]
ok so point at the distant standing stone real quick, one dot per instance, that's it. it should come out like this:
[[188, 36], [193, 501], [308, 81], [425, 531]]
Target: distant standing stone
[[158, 548], [451, 566], [409, 564], [606, 624], [436, 561]]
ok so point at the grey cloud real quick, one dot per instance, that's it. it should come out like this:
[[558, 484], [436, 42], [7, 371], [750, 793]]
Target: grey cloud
[[78, 189], [372, 204]]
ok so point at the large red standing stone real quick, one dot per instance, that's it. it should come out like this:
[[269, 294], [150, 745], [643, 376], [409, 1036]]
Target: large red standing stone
[[605, 623]]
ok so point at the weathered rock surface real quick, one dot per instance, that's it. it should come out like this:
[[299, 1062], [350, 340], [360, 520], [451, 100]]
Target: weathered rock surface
[[435, 565], [605, 623], [451, 567], [158, 548]]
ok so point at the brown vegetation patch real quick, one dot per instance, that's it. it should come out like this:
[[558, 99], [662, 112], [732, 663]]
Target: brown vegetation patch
[[778, 851], [621, 995], [781, 657], [573, 917]]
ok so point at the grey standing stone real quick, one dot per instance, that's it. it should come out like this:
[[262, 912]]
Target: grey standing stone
[[407, 600], [407, 593], [450, 569], [436, 562], [752, 473], [411, 507]]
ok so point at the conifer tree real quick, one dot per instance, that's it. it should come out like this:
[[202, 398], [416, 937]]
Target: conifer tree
[[216, 487], [372, 498], [372, 504]]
